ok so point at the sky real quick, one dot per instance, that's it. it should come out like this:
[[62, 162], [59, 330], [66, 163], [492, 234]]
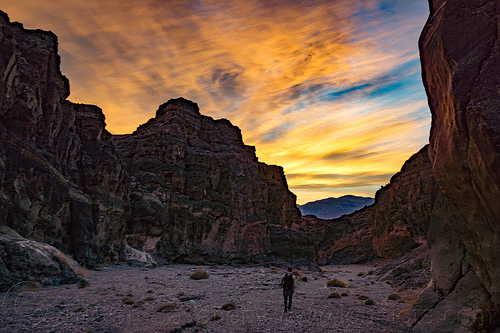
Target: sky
[[330, 90]]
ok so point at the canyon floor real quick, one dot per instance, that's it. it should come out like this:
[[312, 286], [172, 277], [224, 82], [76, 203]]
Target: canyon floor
[[165, 299]]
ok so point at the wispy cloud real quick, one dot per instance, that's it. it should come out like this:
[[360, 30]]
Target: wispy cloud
[[320, 87]]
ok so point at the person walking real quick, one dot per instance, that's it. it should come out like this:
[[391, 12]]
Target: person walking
[[288, 283]]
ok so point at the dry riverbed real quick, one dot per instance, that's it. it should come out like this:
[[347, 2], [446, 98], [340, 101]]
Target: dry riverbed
[[165, 299]]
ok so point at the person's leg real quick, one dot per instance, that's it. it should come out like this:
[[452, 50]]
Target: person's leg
[[290, 301], [285, 298]]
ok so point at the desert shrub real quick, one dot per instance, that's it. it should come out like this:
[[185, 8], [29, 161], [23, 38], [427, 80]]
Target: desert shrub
[[336, 283], [138, 304], [345, 294], [229, 306], [216, 316], [369, 302], [181, 293], [31, 287], [334, 295], [199, 275], [127, 300], [297, 272], [80, 309], [167, 307], [363, 297], [83, 283], [361, 274], [149, 298], [303, 278], [393, 297]]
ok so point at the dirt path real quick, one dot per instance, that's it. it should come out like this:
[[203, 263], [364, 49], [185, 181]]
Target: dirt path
[[127, 299]]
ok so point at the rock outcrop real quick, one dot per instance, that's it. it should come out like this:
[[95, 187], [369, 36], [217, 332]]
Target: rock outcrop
[[23, 262], [395, 224], [460, 54], [198, 193]]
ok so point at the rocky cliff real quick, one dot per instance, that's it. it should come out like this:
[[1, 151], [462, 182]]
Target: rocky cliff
[[198, 193], [395, 224], [182, 187], [60, 179], [460, 55]]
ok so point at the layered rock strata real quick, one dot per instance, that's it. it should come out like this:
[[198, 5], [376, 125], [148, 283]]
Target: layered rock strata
[[460, 54], [198, 193], [60, 180]]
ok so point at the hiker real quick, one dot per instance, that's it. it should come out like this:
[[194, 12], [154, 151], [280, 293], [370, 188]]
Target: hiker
[[288, 283]]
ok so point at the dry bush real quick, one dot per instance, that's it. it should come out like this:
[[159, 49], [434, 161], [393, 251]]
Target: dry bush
[[127, 300], [199, 275], [334, 295], [336, 283], [31, 287], [229, 306], [369, 302], [216, 316], [393, 297], [168, 307]]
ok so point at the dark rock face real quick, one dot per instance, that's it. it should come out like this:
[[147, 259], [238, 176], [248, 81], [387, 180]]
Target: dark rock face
[[460, 54], [198, 193], [183, 187], [332, 208], [395, 224], [60, 179]]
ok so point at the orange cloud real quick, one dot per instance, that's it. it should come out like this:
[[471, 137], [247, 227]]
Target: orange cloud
[[308, 82]]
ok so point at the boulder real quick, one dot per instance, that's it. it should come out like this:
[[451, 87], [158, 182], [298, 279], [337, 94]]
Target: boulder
[[24, 262]]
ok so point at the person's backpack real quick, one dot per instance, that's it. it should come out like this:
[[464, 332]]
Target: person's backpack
[[288, 281]]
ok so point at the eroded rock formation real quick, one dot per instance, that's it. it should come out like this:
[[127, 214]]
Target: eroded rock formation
[[198, 193], [395, 224], [60, 179], [460, 54]]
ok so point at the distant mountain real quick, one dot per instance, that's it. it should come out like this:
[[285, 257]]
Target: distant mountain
[[335, 207]]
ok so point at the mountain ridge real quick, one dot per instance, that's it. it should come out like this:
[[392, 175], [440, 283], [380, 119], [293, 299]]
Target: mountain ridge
[[330, 208]]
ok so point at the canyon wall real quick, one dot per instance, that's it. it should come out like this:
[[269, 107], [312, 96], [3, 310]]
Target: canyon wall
[[460, 55], [394, 225], [60, 179], [183, 187]]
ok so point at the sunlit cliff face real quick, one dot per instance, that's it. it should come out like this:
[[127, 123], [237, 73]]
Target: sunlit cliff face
[[330, 90]]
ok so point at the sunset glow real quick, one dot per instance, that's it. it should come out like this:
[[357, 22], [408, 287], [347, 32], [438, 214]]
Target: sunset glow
[[330, 90]]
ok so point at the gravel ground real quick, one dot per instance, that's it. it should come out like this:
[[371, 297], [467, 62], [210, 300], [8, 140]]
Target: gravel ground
[[165, 299]]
